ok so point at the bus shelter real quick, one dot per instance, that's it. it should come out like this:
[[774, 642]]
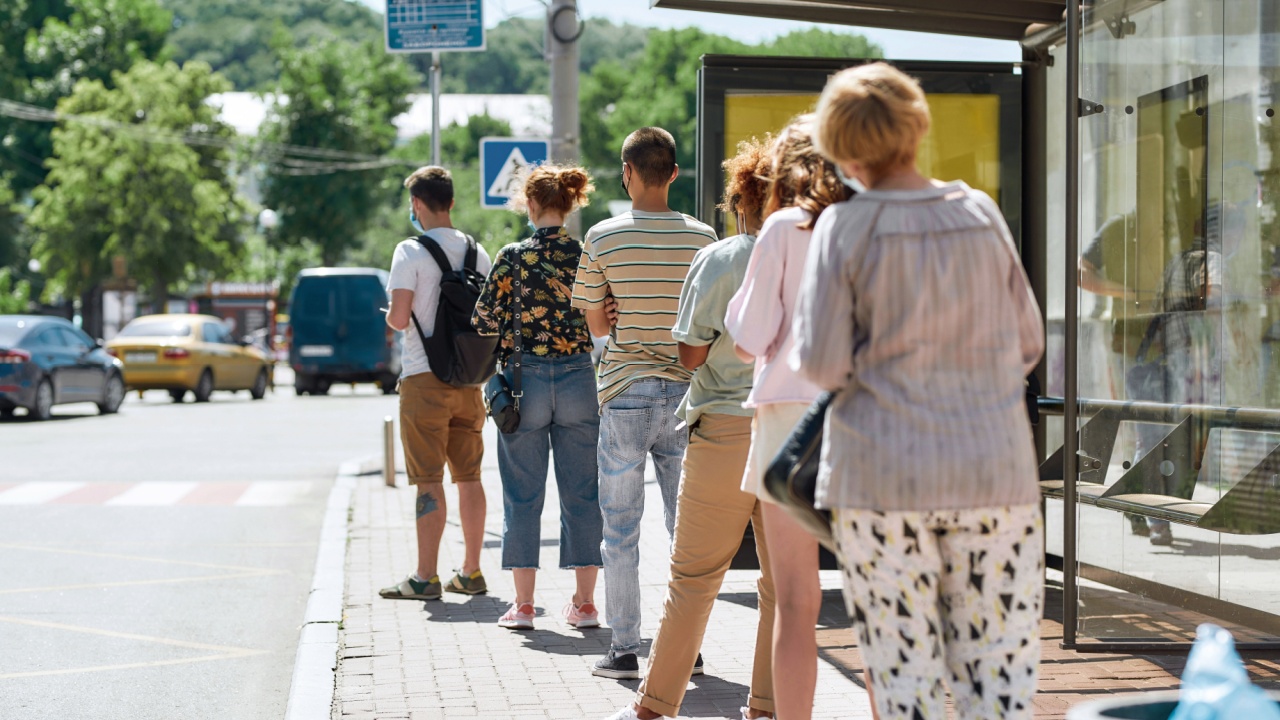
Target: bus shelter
[[1134, 150]]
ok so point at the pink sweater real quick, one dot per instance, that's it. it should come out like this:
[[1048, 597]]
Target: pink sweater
[[759, 315]]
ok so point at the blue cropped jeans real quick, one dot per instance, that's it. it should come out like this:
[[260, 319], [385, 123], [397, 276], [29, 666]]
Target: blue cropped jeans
[[559, 418], [639, 422]]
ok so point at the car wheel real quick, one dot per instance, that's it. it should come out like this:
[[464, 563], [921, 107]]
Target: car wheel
[[321, 387], [178, 395], [6, 413], [112, 395], [259, 389], [204, 387], [43, 408]]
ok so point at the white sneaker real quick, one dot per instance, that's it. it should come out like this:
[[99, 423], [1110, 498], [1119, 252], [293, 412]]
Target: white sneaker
[[626, 713]]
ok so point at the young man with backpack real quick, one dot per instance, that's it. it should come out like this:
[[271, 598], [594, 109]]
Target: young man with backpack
[[441, 409], [640, 259]]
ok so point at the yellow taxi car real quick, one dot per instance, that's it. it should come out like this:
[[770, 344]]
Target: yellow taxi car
[[189, 352]]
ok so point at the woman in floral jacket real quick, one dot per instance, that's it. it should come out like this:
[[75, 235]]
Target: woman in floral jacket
[[558, 410]]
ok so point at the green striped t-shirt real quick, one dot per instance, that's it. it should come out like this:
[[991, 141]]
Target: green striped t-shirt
[[641, 259]]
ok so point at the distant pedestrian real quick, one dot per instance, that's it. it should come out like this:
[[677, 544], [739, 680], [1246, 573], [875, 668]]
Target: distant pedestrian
[[639, 258], [713, 511], [916, 310], [440, 424], [559, 414], [803, 185]]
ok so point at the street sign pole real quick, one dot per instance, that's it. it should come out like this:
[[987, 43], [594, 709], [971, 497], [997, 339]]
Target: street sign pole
[[435, 108], [434, 26]]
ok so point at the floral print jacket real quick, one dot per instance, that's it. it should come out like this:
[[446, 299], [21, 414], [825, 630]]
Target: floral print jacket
[[548, 264]]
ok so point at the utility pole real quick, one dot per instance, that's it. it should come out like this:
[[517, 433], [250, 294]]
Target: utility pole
[[563, 31]]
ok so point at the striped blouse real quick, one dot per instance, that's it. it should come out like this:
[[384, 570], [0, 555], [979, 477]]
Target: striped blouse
[[916, 306], [641, 259]]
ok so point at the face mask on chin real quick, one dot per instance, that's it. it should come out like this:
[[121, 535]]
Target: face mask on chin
[[852, 183]]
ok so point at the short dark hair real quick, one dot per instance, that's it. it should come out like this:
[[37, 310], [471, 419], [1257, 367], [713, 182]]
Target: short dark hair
[[651, 152], [433, 185]]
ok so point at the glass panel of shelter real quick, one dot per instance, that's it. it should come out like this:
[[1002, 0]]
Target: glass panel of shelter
[[1179, 254]]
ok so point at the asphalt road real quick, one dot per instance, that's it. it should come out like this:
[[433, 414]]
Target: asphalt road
[[156, 564]]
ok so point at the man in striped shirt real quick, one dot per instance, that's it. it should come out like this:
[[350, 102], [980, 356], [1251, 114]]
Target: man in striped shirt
[[640, 259]]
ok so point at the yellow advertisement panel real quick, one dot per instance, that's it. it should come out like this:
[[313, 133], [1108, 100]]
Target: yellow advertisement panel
[[963, 144]]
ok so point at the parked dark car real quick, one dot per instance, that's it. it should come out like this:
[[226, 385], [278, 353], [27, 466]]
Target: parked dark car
[[47, 361], [338, 330]]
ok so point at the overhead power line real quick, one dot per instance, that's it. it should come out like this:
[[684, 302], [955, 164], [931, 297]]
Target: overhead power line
[[291, 159]]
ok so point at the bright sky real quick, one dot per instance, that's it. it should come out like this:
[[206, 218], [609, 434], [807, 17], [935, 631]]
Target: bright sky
[[897, 45]]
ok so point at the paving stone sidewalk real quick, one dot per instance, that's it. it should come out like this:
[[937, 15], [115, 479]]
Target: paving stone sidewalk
[[449, 659]]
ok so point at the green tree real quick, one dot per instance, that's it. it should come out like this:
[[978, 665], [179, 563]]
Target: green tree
[[127, 184], [15, 295], [235, 36], [47, 46], [341, 97]]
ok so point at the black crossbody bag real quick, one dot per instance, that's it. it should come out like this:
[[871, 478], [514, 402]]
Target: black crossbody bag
[[503, 400], [792, 478]]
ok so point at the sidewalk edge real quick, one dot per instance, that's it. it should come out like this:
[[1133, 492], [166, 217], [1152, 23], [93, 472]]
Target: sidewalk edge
[[312, 689]]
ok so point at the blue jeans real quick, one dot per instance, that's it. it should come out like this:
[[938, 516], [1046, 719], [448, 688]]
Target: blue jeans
[[641, 421], [559, 417]]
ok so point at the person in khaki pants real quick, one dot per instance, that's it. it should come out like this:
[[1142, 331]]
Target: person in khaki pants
[[712, 510], [440, 425]]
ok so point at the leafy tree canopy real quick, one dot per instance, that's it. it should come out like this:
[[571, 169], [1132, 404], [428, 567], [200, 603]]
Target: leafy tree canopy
[[337, 96], [236, 36], [116, 190], [47, 46]]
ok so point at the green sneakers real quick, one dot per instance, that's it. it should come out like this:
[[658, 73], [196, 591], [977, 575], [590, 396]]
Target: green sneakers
[[410, 589], [472, 584]]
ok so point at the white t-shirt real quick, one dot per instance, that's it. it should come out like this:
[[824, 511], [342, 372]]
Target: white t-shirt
[[413, 268]]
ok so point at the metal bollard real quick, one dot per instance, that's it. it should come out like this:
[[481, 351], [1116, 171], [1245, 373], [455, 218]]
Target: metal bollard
[[389, 451]]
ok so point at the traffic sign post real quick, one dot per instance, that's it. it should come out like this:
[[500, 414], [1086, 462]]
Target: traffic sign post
[[503, 162], [414, 26]]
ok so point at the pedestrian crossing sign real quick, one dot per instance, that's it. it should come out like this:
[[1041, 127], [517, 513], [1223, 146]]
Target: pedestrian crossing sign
[[503, 164]]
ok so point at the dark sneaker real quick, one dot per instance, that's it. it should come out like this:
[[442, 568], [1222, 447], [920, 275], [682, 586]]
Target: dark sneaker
[[410, 589], [619, 666], [697, 665], [472, 584], [1138, 525]]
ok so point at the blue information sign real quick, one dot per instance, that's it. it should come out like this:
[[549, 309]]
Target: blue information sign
[[502, 165], [434, 25]]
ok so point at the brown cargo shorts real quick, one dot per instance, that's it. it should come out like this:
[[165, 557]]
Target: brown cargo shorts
[[440, 425]]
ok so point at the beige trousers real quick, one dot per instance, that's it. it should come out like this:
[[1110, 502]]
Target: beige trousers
[[712, 514]]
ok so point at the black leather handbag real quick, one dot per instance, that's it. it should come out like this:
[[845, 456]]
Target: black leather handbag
[[792, 478], [502, 400]]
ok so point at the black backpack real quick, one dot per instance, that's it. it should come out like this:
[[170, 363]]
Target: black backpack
[[458, 354]]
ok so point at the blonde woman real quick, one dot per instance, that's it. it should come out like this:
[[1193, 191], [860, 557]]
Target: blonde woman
[[916, 309], [559, 415], [802, 185]]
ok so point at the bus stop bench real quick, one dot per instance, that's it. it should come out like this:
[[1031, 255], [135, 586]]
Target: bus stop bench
[[1160, 484]]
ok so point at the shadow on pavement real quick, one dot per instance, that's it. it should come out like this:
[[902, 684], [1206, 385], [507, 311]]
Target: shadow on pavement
[[475, 609]]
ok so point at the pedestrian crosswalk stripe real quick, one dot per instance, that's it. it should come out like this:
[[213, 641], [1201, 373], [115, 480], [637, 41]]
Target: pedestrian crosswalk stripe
[[156, 494], [153, 493], [37, 493], [273, 493]]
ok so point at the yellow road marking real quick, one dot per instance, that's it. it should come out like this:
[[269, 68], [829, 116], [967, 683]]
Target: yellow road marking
[[134, 583], [223, 652], [139, 558], [128, 666]]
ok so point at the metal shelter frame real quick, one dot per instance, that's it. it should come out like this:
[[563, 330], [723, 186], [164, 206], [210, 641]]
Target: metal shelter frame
[[1037, 25]]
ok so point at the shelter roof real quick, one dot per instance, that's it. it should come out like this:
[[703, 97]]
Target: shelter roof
[[1003, 19]]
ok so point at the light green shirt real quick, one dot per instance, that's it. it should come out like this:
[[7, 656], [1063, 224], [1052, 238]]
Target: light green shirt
[[724, 382]]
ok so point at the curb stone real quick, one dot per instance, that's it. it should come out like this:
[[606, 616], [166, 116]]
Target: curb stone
[[314, 669]]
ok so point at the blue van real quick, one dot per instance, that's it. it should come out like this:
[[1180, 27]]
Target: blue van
[[339, 331]]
